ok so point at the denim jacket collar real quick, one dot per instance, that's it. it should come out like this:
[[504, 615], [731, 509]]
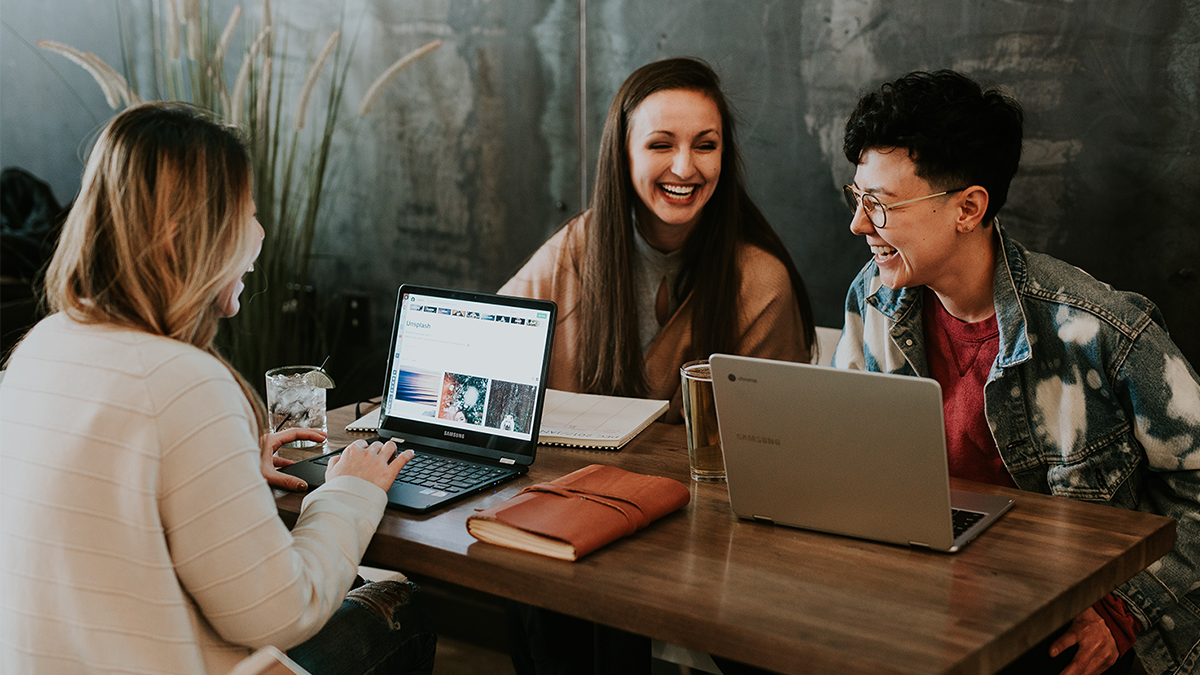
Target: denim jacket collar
[[1007, 284], [904, 305]]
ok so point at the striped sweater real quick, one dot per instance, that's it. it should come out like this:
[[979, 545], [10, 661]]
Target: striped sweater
[[137, 532]]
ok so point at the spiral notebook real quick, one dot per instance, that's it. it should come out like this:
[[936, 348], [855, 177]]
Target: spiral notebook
[[577, 420]]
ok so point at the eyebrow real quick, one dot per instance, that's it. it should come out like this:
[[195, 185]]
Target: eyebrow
[[706, 132], [875, 190]]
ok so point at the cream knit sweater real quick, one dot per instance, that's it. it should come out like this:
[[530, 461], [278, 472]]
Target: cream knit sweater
[[137, 534]]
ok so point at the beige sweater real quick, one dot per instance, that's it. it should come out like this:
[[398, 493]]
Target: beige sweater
[[138, 534], [768, 321]]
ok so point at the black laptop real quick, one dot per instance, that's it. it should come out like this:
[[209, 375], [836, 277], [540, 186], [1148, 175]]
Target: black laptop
[[465, 386]]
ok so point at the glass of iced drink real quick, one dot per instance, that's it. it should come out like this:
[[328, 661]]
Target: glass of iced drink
[[700, 417], [296, 398]]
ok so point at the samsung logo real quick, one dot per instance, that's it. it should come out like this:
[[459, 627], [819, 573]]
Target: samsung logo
[[765, 440], [455, 434]]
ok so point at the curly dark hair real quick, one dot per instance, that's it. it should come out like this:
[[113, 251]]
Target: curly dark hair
[[956, 133]]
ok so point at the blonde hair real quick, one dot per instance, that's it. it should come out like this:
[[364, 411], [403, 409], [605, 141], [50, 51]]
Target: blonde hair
[[161, 226]]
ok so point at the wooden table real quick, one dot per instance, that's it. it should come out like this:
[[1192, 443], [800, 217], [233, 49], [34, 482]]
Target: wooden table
[[787, 599]]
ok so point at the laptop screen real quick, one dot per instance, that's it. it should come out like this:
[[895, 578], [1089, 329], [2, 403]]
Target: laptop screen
[[468, 368]]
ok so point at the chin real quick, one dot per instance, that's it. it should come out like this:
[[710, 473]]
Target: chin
[[675, 218]]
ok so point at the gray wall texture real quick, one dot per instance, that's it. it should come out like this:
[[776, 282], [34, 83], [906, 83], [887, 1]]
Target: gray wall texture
[[474, 156]]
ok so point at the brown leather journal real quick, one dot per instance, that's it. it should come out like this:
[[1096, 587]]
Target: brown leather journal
[[572, 516]]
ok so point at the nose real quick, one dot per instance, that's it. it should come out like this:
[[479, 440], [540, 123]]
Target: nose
[[860, 223], [683, 165]]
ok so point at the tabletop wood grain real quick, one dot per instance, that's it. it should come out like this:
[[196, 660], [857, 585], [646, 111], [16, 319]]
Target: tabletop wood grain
[[787, 599]]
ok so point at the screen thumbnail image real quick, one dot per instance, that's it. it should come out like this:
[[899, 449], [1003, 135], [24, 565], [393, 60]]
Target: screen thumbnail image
[[419, 388], [463, 398], [510, 406]]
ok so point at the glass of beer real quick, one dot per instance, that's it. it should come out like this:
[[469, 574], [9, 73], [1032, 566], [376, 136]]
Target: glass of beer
[[700, 417]]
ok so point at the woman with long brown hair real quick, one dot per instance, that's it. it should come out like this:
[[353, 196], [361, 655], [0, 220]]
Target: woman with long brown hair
[[673, 261], [140, 534]]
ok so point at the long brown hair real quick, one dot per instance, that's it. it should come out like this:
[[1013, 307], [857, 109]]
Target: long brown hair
[[610, 356], [161, 226]]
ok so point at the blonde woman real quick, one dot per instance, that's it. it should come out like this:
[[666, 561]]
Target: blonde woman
[[139, 533]]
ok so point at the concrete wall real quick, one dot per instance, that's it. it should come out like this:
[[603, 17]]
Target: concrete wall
[[474, 155]]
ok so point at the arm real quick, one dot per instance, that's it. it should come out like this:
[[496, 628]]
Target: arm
[[769, 314], [255, 582], [1160, 393]]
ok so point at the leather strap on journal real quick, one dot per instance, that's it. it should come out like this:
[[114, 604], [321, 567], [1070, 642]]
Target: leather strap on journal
[[632, 512], [588, 508]]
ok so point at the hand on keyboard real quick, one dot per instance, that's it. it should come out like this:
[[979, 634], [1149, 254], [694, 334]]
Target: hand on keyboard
[[377, 463]]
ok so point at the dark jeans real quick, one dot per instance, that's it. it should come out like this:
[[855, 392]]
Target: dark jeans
[[380, 628], [542, 642]]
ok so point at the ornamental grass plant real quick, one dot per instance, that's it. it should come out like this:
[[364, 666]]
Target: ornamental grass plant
[[283, 319]]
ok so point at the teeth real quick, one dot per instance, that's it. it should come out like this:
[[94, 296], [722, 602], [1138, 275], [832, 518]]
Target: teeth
[[679, 190], [883, 251]]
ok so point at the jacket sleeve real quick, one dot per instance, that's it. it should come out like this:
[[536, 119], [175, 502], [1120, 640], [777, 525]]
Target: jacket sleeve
[[1161, 393], [255, 582]]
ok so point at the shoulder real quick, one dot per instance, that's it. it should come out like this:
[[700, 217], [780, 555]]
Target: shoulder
[[762, 272], [568, 239], [143, 382], [558, 255], [1059, 287], [61, 342]]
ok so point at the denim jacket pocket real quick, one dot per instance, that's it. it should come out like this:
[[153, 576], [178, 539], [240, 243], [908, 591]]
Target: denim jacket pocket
[[1098, 472]]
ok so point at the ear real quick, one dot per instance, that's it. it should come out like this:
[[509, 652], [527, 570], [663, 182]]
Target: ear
[[973, 203]]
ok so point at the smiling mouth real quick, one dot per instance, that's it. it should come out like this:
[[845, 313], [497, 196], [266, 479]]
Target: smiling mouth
[[883, 253], [677, 192]]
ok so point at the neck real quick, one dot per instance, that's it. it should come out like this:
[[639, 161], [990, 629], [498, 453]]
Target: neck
[[967, 292], [663, 237]]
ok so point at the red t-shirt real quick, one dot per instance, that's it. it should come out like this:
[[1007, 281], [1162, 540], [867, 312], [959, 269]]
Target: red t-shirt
[[960, 356]]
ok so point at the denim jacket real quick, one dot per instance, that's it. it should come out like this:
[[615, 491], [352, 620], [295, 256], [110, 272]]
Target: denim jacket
[[1088, 398]]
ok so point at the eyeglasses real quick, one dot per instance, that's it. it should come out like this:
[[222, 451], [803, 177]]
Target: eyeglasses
[[877, 210]]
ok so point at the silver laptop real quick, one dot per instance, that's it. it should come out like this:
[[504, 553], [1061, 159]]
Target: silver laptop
[[847, 452]]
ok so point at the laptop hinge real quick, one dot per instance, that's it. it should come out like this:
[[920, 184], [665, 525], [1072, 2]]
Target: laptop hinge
[[919, 543], [507, 460], [765, 519]]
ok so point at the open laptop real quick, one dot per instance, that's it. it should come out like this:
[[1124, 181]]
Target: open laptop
[[847, 452], [465, 387]]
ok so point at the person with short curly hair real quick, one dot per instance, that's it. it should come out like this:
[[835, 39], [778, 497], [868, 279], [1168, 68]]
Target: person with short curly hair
[[1051, 381]]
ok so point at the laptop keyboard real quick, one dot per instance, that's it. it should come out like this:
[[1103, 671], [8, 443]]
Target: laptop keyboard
[[442, 473], [963, 520], [450, 475]]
